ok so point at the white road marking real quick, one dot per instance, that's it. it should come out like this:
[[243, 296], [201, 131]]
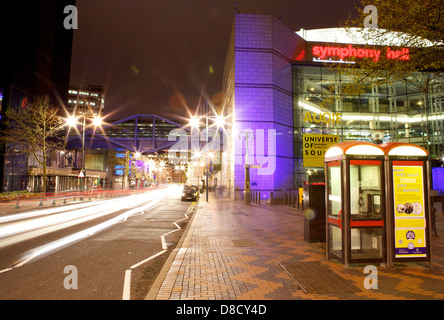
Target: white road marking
[[127, 286], [127, 279]]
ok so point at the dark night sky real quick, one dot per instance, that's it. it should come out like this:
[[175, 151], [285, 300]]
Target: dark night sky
[[155, 56]]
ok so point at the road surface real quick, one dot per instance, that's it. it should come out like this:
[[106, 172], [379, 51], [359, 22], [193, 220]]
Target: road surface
[[107, 249]]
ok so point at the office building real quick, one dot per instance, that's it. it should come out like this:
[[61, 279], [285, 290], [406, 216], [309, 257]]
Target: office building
[[86, 101], [35, 61]]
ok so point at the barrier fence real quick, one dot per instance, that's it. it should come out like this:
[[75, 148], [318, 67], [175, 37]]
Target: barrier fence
[[290, 199], [63, 197]]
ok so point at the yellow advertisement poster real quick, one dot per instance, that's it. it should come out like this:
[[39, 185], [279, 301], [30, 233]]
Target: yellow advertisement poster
[[408, 188], [315, 146], [410, 243]]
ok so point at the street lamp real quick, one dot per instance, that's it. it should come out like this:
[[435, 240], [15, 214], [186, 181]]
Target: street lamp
[[72, 121]]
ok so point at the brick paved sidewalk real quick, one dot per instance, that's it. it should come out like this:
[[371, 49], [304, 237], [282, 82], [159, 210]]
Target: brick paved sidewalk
[[234, 252]]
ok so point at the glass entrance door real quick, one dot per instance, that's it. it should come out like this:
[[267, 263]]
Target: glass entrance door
[[334, 210], [367, 242]]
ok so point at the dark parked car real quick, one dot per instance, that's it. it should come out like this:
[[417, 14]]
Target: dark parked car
[[190, 193]]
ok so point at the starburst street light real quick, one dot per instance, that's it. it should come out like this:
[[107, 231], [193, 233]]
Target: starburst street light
[[194, 122], [97, 121], [219, 121], [71, 121]]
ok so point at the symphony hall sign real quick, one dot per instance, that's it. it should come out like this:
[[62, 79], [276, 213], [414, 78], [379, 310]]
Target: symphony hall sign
[[331, 53]]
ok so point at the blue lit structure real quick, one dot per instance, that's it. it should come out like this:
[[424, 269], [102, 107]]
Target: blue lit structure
[[144, 133]]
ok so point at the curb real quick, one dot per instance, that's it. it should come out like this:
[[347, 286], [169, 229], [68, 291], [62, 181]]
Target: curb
[[183, 244]]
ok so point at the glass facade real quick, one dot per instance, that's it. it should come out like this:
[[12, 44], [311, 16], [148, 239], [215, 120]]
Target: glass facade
[[399, 111]]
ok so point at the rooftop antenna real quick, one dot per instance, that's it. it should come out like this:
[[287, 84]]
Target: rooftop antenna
[[235, 8]]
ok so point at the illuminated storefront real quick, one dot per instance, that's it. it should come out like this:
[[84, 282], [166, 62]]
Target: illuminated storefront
[[283, 82], [396, 111]]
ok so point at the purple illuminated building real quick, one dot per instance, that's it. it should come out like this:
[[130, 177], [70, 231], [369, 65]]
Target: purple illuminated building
[[258, 80], [281, 92]]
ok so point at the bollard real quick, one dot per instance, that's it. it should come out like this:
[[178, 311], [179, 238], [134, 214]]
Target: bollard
[[53, 202], [298, 201], [271, 197], [285, 198], [293, 200], [442, 204], [64, 201], [434, 233], [17, 206], [259, 198]]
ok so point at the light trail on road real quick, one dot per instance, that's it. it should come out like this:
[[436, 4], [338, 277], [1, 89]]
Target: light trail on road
[[63, 242], [29, 225]]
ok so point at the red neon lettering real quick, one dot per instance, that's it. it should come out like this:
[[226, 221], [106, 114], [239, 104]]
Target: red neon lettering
[[403, 54], [323, 52], [316, 51]]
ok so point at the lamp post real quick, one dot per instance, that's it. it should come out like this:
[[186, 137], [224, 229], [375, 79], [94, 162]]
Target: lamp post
[[219, 122], [72, 121], [247, 195]]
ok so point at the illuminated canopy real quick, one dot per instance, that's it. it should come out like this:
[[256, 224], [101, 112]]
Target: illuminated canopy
[[354, 148], [354, 36], [403, 149], [367, 148]]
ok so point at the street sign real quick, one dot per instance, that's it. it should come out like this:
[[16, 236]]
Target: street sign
[[256, 166], [81, 174]]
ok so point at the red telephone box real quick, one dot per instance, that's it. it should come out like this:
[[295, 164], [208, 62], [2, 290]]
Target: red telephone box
[[377, 203], [408, 204], [354, 176]]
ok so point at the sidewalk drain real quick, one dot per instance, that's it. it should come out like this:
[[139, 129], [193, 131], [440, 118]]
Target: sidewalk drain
[[244, 243], [315, 277], [239, 213]]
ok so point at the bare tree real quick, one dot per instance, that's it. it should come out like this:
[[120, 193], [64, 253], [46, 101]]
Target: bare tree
[[36, 130], [417, 26]]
